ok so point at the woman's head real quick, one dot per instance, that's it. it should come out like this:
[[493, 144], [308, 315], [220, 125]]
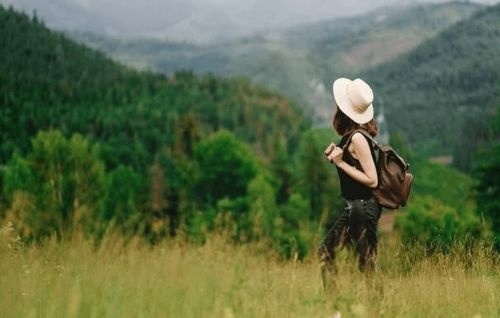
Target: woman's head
[[354, 106], [344, 125]]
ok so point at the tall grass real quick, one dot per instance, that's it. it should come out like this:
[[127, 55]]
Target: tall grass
[[77, 278]]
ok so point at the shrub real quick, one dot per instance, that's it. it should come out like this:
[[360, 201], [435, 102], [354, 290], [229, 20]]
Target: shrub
[[226, 166], [56, 187], [435, 225], [487, 188]]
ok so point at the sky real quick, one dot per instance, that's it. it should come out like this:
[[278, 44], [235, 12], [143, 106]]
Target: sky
[[192, 20]]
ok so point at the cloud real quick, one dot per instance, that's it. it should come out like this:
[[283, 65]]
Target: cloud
[[191, 19]]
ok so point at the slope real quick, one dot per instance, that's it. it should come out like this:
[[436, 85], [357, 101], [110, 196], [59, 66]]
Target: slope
[[50, 82], [440, 95], [300, 62]]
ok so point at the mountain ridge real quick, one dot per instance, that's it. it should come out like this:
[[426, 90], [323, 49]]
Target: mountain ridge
[[299, 64], [48, 81], [441, 95]]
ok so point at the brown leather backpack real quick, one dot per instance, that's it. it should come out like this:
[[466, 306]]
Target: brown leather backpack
[[394, 179]]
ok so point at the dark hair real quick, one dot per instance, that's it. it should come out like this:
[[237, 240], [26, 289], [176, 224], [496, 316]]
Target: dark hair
[[345, 125]]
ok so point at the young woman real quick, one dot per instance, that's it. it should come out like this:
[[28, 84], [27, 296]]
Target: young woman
[[358, 221]]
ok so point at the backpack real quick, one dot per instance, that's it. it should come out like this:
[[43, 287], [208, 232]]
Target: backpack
[[394, 179]]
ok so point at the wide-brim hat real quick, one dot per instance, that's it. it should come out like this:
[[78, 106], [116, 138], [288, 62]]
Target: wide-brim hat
[[354, 98]]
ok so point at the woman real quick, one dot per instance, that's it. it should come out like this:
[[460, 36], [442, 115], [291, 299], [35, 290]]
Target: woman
[[357, 172]]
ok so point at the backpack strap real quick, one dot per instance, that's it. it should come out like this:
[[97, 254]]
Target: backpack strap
[[366, 134]]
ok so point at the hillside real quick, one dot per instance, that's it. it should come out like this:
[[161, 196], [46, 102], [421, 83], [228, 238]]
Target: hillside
[[441, 95], [48, 81], [88, 142], [299, 62], [390, 32]]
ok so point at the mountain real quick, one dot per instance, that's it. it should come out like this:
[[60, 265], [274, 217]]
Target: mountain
[[50, 82], [300, 62], [441, 95]]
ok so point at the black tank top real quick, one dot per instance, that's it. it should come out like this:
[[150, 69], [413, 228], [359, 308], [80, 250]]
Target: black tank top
[[350, 188]]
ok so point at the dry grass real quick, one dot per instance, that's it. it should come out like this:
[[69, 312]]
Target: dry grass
[[175, 279]]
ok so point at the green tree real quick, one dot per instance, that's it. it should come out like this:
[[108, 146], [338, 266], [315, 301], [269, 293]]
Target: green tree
[[435, 225], [179, 174], [313, 174], [18, 179], [487, 189], [226, 165], [281, 168], [296, 232], [18, 176], [263, 209], [121, 199], [62, 181]]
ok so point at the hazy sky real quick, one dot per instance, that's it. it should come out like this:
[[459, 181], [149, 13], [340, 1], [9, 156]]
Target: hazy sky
[[192, 19]]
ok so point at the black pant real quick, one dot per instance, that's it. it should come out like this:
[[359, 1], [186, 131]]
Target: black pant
[[356, 225]]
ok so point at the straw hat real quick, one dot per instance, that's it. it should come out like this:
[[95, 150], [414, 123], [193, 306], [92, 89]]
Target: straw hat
[[354, 98]]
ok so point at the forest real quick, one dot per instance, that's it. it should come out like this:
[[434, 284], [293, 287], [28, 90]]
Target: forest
[[440, 52], [448, 87]]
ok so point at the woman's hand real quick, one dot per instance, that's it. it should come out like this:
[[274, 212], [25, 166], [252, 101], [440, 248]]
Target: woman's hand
[[329, 149], [336, 155]]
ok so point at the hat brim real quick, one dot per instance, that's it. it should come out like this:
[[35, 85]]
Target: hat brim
[[346, 106]]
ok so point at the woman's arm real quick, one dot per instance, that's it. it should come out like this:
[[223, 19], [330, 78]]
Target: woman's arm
[[368, 176]]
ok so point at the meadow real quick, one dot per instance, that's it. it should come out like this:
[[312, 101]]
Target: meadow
[[116, 278]]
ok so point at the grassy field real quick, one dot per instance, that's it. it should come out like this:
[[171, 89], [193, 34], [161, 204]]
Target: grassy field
[[74, 278]]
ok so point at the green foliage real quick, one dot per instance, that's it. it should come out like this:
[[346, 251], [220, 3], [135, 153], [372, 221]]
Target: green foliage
[[121, 199], [317, 178], [442, 182], [296, 231], [226, 166], [263, 209], [448, 185], [441, 210], [158, 156], [441, 94], [295, 211], [401, 146], [487, 172], [50, 82], [17, 176], [313, 170], [147, 127], [172, 192], [57, 186], [281, 169], [430, 222]]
